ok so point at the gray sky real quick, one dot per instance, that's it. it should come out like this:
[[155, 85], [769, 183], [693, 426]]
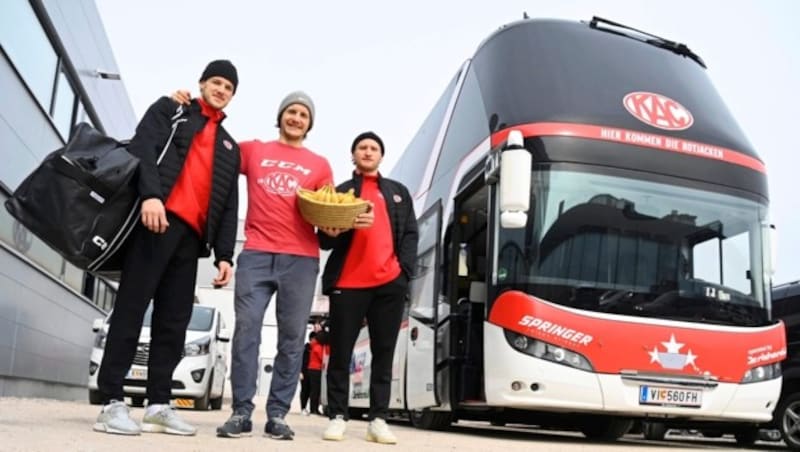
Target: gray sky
[[381, 66]]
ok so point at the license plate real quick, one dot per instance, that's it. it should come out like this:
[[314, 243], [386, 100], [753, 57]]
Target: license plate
[[666, 396], [137, 374]]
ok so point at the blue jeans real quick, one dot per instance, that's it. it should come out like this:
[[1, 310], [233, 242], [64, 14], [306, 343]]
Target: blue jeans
[[258, 276]]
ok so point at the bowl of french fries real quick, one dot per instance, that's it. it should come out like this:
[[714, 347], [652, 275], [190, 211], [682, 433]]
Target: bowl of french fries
[[328, 208]]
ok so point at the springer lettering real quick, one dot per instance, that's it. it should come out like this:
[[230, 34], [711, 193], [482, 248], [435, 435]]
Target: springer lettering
[[555, 329]]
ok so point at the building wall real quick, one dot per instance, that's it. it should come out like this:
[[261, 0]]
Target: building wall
[[50, 52]]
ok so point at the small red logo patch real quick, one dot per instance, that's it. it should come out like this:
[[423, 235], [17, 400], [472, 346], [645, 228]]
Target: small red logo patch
[[658, 111]]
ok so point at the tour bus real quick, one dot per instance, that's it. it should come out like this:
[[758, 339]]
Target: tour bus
[[594, 242]]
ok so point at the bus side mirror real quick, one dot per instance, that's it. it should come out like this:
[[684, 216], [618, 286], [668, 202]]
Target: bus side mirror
[[515, 182]]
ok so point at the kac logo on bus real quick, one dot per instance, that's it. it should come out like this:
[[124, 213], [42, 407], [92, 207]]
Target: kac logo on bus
[[658, 111]]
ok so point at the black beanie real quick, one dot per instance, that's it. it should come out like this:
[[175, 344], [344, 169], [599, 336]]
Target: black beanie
[[221, 68], [364, 136]]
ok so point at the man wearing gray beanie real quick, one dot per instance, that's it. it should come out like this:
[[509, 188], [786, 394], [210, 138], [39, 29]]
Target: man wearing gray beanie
[[280, 256]]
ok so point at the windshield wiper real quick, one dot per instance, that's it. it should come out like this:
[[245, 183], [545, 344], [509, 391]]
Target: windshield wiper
[[649, 38]]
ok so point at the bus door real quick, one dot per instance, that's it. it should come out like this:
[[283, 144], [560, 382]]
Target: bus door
[[422, 348]]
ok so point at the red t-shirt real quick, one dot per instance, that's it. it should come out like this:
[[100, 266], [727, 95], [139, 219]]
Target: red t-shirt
[[274, 173], [191, 193], [371, 260], [316, 350]]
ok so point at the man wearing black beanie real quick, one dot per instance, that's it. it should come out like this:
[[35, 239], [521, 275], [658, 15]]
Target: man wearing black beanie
[[367, 276], [188, 186]]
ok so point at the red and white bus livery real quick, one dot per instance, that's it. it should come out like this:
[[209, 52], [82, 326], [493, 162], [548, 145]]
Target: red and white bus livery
[[594, 242]]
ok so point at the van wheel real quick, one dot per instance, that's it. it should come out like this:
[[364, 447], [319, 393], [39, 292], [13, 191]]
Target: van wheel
[[605, 428], [430, 420], [654, 431], [95, 397], [788, 418], [201, 403], [216, 404]]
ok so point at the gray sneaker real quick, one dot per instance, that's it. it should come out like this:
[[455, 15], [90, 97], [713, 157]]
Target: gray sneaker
[[166, 420], [116, 418]]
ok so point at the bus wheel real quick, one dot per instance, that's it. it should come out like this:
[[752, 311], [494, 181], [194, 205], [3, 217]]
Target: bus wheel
[[605, 428], [788, 417], [430, 420], [655, 431]]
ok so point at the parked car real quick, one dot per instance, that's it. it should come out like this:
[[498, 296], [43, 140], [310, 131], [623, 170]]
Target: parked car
[[199, 376]]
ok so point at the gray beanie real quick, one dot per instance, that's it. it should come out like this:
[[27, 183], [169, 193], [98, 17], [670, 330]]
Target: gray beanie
[[297, 97]]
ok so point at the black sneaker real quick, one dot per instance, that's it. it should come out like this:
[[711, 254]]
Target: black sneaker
[[277, 428], [237, 425]]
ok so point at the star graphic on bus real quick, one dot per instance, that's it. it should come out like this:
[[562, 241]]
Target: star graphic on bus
[[672, 358]]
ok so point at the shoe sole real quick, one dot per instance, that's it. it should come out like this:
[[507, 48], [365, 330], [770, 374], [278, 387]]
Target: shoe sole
[[222, 434], [283, 437], [156, 428], [333, 437], [375, 439], [103, 428]]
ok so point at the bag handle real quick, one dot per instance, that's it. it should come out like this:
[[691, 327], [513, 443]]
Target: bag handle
[[66, 167]]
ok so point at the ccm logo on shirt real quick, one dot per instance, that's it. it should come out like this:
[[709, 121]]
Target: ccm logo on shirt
[[267, 163]]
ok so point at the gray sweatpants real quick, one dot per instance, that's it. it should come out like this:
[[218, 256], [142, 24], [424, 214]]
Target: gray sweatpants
[[258, 276]]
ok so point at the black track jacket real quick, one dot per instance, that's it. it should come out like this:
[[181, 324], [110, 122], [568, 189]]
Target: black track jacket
[[402, 220], [163, 138]]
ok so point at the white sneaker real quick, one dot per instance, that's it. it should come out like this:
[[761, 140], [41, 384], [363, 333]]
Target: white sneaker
[[305, 412], [116, 418], [378, 431], [336, 429], [166, 420]]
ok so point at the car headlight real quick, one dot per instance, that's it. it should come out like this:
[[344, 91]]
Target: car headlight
[[100, 339], [762, 373], [547, 351], [198, 347]]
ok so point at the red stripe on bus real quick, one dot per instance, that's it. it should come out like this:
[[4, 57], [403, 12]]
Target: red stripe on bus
[[633, 137]]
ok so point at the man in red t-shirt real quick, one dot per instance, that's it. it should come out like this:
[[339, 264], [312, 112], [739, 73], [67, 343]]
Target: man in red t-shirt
[[367, 275]]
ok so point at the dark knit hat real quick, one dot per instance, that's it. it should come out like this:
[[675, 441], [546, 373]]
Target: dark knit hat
[[297, 97], [364, 136], [221, 68]]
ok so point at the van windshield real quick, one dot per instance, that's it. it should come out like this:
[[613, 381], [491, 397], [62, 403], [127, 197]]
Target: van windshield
[[202, 317]]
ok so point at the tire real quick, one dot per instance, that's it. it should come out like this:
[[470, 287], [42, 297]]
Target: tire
[[216, 404], [426, 419], [137, 402], [787, 416], [605, 428], [95, 397], [202, 403], [746, 436], [654, 431]]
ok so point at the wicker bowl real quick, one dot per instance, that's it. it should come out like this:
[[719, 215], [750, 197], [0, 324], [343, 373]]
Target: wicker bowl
[[329, 215]]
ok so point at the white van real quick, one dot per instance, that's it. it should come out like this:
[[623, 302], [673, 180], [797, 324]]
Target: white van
[[199, 379]]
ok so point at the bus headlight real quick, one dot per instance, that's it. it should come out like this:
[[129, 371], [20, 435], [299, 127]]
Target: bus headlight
[[547, 351], [762, 373]]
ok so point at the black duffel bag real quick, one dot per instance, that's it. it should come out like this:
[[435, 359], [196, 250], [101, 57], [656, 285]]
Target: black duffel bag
[[82, 201]]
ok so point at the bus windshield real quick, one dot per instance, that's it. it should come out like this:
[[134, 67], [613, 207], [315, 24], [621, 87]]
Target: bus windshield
[[635, 247]]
